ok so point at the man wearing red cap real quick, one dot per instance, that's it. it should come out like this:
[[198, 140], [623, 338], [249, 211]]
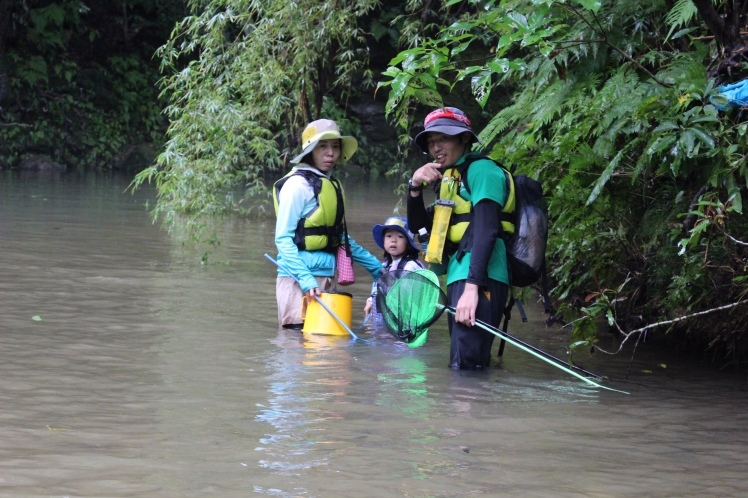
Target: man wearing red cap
[[477, 273]]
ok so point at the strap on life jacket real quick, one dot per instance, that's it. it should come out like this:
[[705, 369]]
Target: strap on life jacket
[[466, 244], [404, 261], [462, 168], [333, 233]]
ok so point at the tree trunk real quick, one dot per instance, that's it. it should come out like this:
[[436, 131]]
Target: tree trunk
[[726, 30], [6, 14]]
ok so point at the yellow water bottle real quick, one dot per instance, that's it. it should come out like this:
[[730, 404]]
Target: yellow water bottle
[[442, 214]]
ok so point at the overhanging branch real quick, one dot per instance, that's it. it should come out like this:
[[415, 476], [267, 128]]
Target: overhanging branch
[[639, 331], [600, 32]]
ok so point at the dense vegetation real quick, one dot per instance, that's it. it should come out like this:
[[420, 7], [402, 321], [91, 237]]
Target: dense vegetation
[[614, 105], [78, 80]]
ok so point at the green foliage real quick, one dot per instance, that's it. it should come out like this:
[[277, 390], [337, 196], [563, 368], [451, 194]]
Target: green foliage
[[242, 79], [681, 14], [622, 129], [71, 97]]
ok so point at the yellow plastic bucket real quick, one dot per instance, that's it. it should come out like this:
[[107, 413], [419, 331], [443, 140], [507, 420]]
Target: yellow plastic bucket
[[317, 320]]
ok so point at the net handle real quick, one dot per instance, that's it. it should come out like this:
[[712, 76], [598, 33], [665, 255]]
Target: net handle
[[531, 349], [540, 351]]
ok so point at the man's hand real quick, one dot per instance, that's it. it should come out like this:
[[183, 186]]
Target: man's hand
[[466, 306], [424, 175]]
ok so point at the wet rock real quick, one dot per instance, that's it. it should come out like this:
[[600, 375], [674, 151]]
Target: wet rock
[[373, 121], [40, 163], [134, 158]]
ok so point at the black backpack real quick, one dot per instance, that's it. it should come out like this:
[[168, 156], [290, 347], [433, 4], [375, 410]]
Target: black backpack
[[525, 248]]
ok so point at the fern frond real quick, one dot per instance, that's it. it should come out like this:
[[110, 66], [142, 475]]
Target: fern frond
[[550, 102], [507, 117], [681, 14]]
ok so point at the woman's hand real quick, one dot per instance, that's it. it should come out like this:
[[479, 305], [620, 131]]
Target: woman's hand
[[314, 292], [466, 305]]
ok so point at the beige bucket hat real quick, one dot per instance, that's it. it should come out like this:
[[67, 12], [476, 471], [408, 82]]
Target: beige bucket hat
[[324, 129]]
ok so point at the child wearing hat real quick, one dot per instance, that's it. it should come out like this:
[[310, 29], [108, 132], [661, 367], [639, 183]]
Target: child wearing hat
[[400, 253], [477, 272], [310, 225]]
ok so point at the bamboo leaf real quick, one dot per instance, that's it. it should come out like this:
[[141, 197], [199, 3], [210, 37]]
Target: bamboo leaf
[[576, 344], [688, 141], [667, 126], [683, 32], [461, 48], [681, 14], [400, 83], [426, 80], [660, 144], [705, 118], [481, 86], [605, 177], [428, 97], [519, 19]]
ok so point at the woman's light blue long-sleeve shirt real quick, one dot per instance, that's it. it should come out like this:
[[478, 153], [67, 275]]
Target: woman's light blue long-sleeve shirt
[[296, 200]]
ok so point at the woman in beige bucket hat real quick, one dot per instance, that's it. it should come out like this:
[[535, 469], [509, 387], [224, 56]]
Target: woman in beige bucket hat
[[310, 225]]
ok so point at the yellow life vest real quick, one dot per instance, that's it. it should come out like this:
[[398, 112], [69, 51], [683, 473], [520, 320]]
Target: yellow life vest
[[323, 226], [462, 213]]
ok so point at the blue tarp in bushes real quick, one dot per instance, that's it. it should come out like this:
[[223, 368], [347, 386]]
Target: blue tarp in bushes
[[736, 93]]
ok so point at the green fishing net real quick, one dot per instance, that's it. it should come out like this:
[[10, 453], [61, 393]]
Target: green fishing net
[[410, 302]]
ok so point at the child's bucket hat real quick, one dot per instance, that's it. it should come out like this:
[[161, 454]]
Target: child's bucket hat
[[393, 223], [324, 129], [448, 120]]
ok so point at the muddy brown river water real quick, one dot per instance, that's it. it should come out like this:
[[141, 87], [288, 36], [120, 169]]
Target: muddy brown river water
[[129, 369]]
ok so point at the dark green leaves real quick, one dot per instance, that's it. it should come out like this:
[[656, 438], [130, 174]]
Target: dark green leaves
[[242, 79], [623, 127]]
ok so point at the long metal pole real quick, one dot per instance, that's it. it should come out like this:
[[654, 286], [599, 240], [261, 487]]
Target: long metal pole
[[530, 349]]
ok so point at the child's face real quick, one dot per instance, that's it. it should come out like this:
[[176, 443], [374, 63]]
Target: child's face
[[326, 154], [395, 243]]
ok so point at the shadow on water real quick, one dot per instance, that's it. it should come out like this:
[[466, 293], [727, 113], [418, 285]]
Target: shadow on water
[[130, 369]]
